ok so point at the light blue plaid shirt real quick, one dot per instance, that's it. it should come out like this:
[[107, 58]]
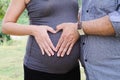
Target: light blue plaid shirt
[[100, 56]]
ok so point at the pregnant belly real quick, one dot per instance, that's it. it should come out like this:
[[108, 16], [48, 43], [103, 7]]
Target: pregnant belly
[[53, 63]]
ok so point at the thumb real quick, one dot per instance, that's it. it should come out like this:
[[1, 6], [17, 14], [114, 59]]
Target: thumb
[[51, 30], [58, 28]]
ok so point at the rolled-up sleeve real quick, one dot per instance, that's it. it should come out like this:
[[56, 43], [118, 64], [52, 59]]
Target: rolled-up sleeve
[[115, 19]]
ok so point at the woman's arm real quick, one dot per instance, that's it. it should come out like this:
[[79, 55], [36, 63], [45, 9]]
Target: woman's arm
[[9, 26]]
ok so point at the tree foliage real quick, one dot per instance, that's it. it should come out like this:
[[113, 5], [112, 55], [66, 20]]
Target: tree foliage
[[22, 20], [3, 6]]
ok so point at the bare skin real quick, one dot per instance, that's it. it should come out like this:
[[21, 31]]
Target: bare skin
[[9, 26], [100, 27], [68, 38]]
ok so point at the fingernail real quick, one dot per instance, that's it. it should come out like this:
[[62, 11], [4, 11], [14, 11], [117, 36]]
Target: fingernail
[[67, 54], [55, 49], [49, 55], [52, 54], [58, 55], [62, 55]]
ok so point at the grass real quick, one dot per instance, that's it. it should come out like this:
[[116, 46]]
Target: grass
[[11, 60], [11, 57]]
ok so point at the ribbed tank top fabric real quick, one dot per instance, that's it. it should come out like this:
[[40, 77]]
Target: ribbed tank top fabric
[[51, 13]]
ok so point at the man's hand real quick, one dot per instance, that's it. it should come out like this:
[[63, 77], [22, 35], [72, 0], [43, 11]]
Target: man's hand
[[68, 38]]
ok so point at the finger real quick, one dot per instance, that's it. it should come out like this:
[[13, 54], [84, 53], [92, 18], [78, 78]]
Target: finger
[[45, 49], [62, 47], [70, 48], [48, 47], [40, 47], [59, 27], [59, 43], [65, 49], [51, 44], [48, 40], [51, 30], [48, 53], [43, 53]]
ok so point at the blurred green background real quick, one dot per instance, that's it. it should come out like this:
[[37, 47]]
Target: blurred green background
[[12, 49]]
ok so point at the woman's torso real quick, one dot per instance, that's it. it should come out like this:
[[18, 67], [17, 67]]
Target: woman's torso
[[51, 13]]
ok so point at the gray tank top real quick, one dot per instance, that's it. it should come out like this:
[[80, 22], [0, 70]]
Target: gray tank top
[[51, 13]]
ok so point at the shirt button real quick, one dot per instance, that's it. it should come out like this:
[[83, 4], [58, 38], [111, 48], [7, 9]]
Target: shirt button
[[87, 11], [85, 60], [83, 43]]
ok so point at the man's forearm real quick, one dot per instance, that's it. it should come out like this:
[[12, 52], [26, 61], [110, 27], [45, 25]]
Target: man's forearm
[[101, 26]]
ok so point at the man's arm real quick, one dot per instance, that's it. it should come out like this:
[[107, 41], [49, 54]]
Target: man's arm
[[105, 26], [101, 26]]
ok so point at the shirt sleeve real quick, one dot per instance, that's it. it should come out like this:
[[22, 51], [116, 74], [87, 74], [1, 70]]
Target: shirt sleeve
[[115, 19]]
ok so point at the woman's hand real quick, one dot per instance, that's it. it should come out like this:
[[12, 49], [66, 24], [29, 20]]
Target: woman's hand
[[43, 40], [68, 38]]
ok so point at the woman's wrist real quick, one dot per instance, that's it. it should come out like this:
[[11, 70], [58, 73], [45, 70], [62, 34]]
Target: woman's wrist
[[32, 30]]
